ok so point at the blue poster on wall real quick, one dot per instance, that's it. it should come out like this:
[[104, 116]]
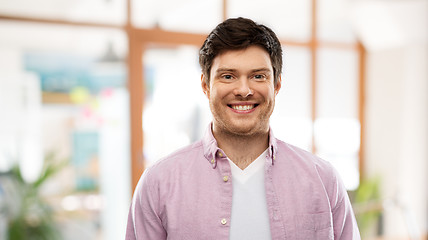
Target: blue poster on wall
[[85, 160], [62, 72]]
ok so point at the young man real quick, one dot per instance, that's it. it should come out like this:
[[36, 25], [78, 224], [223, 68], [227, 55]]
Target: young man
[[239, 181]]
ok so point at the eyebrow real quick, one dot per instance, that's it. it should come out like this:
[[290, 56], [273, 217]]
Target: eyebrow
[[261, 70], [221, 70]]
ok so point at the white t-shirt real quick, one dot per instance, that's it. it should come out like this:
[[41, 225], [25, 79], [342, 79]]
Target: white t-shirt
[[250, 217]]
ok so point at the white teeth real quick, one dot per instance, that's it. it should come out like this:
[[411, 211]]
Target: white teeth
[[242, 107]]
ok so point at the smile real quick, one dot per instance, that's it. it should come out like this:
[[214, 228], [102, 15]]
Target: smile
[[243, 107]]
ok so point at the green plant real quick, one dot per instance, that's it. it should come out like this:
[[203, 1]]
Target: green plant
[[29, 215], [367, 204]]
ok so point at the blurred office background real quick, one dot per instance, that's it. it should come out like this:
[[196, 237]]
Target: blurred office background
[[93, 92]]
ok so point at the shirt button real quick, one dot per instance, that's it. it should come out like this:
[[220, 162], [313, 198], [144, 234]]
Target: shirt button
[[220, 154], [212, 160], [225, 178], [223, 221]]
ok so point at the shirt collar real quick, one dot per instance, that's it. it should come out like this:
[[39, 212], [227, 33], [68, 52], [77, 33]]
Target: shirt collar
[[213, 153]]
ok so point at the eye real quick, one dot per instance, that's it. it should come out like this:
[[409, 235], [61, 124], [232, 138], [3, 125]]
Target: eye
[[227, 76], [259, 77]]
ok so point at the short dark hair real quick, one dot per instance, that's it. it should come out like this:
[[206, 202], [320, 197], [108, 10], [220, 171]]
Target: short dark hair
[[236, 34]]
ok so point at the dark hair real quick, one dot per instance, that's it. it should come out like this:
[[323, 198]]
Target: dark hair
[[237, 34]]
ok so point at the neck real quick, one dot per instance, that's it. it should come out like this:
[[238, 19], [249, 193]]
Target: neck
[[242, 149]]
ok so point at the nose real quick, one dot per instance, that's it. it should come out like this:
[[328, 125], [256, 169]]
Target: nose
[[243, 88]]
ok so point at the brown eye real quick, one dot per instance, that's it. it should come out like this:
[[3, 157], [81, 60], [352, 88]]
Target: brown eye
[[259, 77], [227, 77]]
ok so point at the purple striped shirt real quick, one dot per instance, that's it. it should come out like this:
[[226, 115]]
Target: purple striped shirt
[[188, 195]]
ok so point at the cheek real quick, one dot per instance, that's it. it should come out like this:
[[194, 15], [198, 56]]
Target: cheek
[[268, 93], [218, 93], [214, 98]]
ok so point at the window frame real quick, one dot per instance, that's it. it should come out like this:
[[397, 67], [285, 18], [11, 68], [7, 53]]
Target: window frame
[[140, 39]]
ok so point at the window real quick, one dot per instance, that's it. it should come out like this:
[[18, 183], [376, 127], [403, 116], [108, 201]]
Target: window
[[93, 77], [64, 96]]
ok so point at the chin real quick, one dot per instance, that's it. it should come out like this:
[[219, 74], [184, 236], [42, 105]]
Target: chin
[[247, 130]]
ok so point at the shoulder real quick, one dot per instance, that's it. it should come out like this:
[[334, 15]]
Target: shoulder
[[309, 166], [312, 168], [301, 158], [168, 168], [182, 157]]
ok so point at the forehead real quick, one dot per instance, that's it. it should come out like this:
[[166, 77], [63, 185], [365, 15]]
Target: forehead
[[253, 57]]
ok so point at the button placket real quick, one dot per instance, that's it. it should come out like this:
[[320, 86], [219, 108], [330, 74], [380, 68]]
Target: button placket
[[224, 182], [225, 178]]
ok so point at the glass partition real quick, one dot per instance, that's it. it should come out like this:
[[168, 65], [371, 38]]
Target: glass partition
[[333, 21], [64, 94], [176, 112], [288, 19], [337, 128], [195, 16], [64, 100], [96, 11], [291, 119]]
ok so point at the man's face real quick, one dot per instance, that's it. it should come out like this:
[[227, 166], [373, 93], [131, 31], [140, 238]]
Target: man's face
[[241, 91]]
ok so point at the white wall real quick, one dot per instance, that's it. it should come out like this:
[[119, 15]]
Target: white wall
[[395, 34], [397, 134]]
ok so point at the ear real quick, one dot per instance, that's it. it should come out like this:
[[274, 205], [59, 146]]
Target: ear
[[278, 85], [205, 86]]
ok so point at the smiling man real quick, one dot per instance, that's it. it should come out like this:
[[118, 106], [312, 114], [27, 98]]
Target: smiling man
[[239, 181], [241, 92]]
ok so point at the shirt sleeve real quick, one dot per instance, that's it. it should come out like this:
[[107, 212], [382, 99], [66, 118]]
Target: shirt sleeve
[[344, 223], [143, 218]]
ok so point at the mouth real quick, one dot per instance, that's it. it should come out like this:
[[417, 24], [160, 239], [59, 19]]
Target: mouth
[[242, 107]]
